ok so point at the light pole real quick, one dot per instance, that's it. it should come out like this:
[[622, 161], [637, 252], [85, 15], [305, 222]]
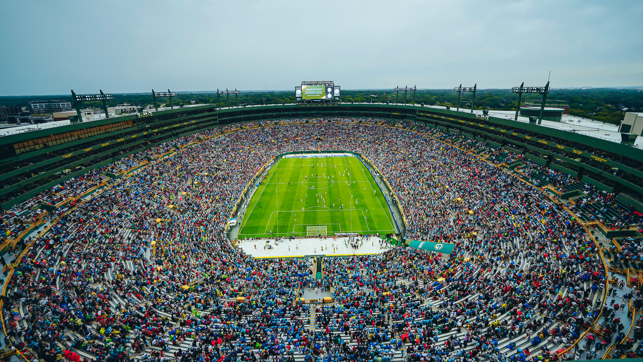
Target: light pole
[[540, 90], [236, 95], [462, 89], [397, 89], [519, 91], [219, 93], [77, 99], [170, 94], [162, 94]]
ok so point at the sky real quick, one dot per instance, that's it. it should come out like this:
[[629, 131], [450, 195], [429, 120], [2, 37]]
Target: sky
[[51, 47]]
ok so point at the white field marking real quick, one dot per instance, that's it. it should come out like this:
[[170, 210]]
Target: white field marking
[[323, 210], [245, 219], [309, 208], [388, 216], [310, 164], [268, 223], [329, 209], [288, 234], [336, 223], [285, 183], [318, 188], [365, 220], [298, 168], [313, 207]]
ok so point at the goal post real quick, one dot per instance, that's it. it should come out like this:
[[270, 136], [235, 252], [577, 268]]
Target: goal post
[[316, 230]]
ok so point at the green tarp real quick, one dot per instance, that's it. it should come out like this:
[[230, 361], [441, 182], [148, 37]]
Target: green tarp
[[442, 248]]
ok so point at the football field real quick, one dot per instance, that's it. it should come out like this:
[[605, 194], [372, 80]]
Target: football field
[[317, 196]]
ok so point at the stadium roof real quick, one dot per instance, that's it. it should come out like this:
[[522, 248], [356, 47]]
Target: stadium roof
[[569, 123]]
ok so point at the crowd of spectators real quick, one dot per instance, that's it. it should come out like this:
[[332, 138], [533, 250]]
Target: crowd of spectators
[[144, 268]]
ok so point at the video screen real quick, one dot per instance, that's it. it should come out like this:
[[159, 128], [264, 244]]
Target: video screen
[[336, 92], [298, 92], [312, 92]]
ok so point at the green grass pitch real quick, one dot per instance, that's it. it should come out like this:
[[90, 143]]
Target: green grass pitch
[[336, 192]]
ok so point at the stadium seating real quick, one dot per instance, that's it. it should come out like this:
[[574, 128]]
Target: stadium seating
[[132, 261]]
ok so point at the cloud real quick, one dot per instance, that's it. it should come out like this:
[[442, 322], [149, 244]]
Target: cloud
[[123, 46]]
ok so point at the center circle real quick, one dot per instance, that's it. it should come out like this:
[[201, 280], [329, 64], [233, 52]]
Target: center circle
[[306, 183]]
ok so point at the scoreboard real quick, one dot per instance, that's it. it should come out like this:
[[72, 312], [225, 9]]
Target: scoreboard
[[317, 91]]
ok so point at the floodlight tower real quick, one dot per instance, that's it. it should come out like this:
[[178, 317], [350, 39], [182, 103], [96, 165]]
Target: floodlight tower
[[540, 90], [169, 94], [162, 94], [156, 106], [103, 100], [227, 92], [76, 99], [219, 93], [519, 90], [542, 105], [236, 95], [461, 89], [397, 89], [473, 101], [413, 89]]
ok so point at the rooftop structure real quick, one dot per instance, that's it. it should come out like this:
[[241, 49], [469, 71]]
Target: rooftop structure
[[49, 106]]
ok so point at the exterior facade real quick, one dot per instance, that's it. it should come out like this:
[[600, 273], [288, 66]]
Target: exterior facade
[[50, 106], [549, 113], [122, 109], [6, 111], [632, 123]]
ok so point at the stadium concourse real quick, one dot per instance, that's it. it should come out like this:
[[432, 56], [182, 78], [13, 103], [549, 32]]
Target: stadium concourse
[[139, 267]]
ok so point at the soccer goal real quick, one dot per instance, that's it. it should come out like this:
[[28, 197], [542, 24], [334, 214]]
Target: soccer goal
[[316, 230]]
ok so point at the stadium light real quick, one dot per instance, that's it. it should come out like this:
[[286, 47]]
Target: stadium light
[[461, 89], [539, 90], [236, 95], [102, 97], [518, 90], [219, 93], [397, 89], [163, 94]]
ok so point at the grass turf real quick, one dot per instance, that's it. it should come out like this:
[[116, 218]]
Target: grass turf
[[302, 192]]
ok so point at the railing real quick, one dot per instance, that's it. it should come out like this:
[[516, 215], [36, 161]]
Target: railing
[[4, 293], [607, 288], [19, 259], [608, 352], [12, 242]]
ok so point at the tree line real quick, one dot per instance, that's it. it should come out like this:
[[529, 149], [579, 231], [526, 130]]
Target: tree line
[[602, 104]]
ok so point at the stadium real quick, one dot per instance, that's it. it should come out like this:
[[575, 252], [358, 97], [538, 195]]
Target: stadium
[[321, 231]]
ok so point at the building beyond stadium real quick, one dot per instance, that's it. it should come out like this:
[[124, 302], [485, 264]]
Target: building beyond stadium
[[35, 161]]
